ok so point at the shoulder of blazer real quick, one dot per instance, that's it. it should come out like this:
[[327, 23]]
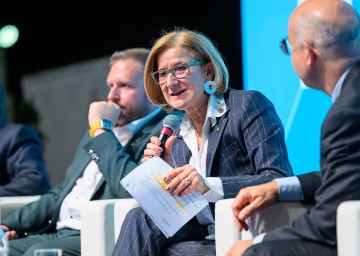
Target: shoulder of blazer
[[350, 92], [12, 132]]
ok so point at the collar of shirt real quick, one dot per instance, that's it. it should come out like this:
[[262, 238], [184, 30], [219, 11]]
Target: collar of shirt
[[126, 132], [216, 108], [338, 86]]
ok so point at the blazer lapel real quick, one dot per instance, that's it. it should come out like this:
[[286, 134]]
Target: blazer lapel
[[146, 130], [79, 166], [138, 137], [131, 146], [215, 135], [183, 153], [77, 169]]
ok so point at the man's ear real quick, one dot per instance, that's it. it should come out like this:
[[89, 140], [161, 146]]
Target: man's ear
[[311, 55]]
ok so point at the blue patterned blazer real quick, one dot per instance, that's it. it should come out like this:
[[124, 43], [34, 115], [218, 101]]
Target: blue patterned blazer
[[246, 147]]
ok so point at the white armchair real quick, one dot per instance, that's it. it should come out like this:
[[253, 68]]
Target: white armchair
[[347, 223], [101, 222], [348, 228], [264, 220], [100, 225], [9, 204]]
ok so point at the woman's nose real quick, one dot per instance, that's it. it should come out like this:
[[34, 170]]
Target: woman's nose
[[171, 79]]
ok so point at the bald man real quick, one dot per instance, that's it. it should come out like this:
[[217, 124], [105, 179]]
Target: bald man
[[324, 44]]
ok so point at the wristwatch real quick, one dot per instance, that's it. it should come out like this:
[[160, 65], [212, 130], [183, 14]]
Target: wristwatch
[[101, 124]]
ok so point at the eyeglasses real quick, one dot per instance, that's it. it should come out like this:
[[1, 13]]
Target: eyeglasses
[[285, 46], [178, 71]]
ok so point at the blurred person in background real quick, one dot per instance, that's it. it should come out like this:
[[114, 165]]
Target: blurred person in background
[[22, 171]]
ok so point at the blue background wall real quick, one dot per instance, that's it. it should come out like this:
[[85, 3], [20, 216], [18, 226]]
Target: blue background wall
[[267, 69]]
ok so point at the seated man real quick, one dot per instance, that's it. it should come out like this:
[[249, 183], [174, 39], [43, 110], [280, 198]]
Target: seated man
[[104, 156], [325, 42], [22, 171]]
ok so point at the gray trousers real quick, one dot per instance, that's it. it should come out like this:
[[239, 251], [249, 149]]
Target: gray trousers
[[66, 239]]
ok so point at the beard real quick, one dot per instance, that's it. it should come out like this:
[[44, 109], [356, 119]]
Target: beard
[[128, 115]]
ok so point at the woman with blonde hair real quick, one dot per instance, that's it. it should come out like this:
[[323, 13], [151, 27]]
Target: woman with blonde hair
[[228, 139]]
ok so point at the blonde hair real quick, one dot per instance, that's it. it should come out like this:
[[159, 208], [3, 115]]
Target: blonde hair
[[203, 49]]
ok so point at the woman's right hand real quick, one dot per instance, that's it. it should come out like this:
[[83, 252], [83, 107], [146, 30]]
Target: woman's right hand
[[153, 149]]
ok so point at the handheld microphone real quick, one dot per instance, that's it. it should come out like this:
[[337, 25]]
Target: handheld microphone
[[170, 124]]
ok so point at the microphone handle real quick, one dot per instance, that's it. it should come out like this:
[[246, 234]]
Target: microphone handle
[[163, 137]]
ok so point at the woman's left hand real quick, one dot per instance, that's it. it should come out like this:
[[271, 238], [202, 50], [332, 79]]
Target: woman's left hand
[[185, 179]]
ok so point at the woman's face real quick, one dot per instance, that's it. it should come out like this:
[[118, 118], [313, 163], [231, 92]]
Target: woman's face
[[184, 93]]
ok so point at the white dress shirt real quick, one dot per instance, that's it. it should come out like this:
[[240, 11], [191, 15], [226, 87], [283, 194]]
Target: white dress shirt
[[216, 108], [70, 211]]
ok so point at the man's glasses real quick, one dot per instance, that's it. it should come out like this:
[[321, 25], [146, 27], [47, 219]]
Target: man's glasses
[[285, 46], [178, 71]]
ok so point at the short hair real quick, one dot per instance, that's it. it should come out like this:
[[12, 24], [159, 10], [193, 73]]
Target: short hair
[[139, 54], [204, 50], [333, 42]]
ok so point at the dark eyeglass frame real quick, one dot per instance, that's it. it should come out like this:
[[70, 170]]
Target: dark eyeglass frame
[[285, 46], [171, 70]]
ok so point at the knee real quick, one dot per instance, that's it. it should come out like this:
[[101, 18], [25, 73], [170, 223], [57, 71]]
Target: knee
[[136, 214], [136, 219]]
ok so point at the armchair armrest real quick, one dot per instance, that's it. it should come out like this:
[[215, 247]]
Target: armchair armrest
[[225, 231], [97, 227], [264, 220], [8, 204], [101, 221], [122, 207], [347, 228]]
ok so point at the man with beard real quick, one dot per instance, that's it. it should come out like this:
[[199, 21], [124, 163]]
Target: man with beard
[[119, 131]]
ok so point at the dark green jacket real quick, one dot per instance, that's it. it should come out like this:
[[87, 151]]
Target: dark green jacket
[[114, 162]]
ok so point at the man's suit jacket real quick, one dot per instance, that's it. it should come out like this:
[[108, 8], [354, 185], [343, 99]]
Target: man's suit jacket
[[246, 147], [114, 162], [22, 170], [339, 179]]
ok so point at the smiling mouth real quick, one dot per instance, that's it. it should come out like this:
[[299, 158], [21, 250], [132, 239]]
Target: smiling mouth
[[177, 93]]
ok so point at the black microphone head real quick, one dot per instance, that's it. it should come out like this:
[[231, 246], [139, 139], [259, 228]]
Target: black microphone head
[[172, 122]]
